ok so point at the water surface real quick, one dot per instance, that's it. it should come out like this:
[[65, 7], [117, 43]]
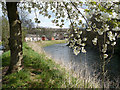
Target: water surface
[[90, 61]]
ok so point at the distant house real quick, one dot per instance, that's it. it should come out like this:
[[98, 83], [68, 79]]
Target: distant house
[[61, 36], [52, 38], [44, 37], [31, 37]]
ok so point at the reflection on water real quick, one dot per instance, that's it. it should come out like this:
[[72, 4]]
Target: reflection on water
[[91, 60]]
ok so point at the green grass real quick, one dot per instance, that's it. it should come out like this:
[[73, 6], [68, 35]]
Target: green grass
[[39, 72]]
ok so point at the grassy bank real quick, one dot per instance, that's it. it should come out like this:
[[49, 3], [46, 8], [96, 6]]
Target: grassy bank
[[0, 43], [38, 72], [49, 43]]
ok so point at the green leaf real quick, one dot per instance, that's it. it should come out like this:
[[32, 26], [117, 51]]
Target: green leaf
[[38, 21], [62, 20], [86, 10], [49, 16]]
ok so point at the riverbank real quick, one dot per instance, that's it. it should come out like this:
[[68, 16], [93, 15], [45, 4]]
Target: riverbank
[[40, 72], [49, 43]]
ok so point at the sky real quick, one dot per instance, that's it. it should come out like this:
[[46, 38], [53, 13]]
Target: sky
[[45, 22], [0, 21], [0, 10]]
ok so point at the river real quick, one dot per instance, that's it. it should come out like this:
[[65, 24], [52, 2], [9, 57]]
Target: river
[[90, 61]]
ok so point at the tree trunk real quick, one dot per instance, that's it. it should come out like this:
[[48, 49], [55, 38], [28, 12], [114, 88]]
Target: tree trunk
[[15, 40]]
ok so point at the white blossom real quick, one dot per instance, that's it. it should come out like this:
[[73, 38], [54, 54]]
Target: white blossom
[[76, 31], [108, 42], [72, 35], [79, 41], [95, 41], [94, 25], [100, 31], [72, 44], [89, 29], [88, 15], [114, 15], [80, 32], [76, 52], [97, 19], [105, 15], [118, 36], [92, 11], [106, 28], [116, 29], [78, 35], [83, 50], [111, 36], [116, 7], [82, 44], [104, 48], [84, 39], [89, 22], [105, 55], [75, 39], [113, 44]]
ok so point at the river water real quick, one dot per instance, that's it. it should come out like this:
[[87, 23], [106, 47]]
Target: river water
[[90, 61]]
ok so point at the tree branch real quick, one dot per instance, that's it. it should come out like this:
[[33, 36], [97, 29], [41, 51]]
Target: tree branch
[[80, 12], [69, 15]]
